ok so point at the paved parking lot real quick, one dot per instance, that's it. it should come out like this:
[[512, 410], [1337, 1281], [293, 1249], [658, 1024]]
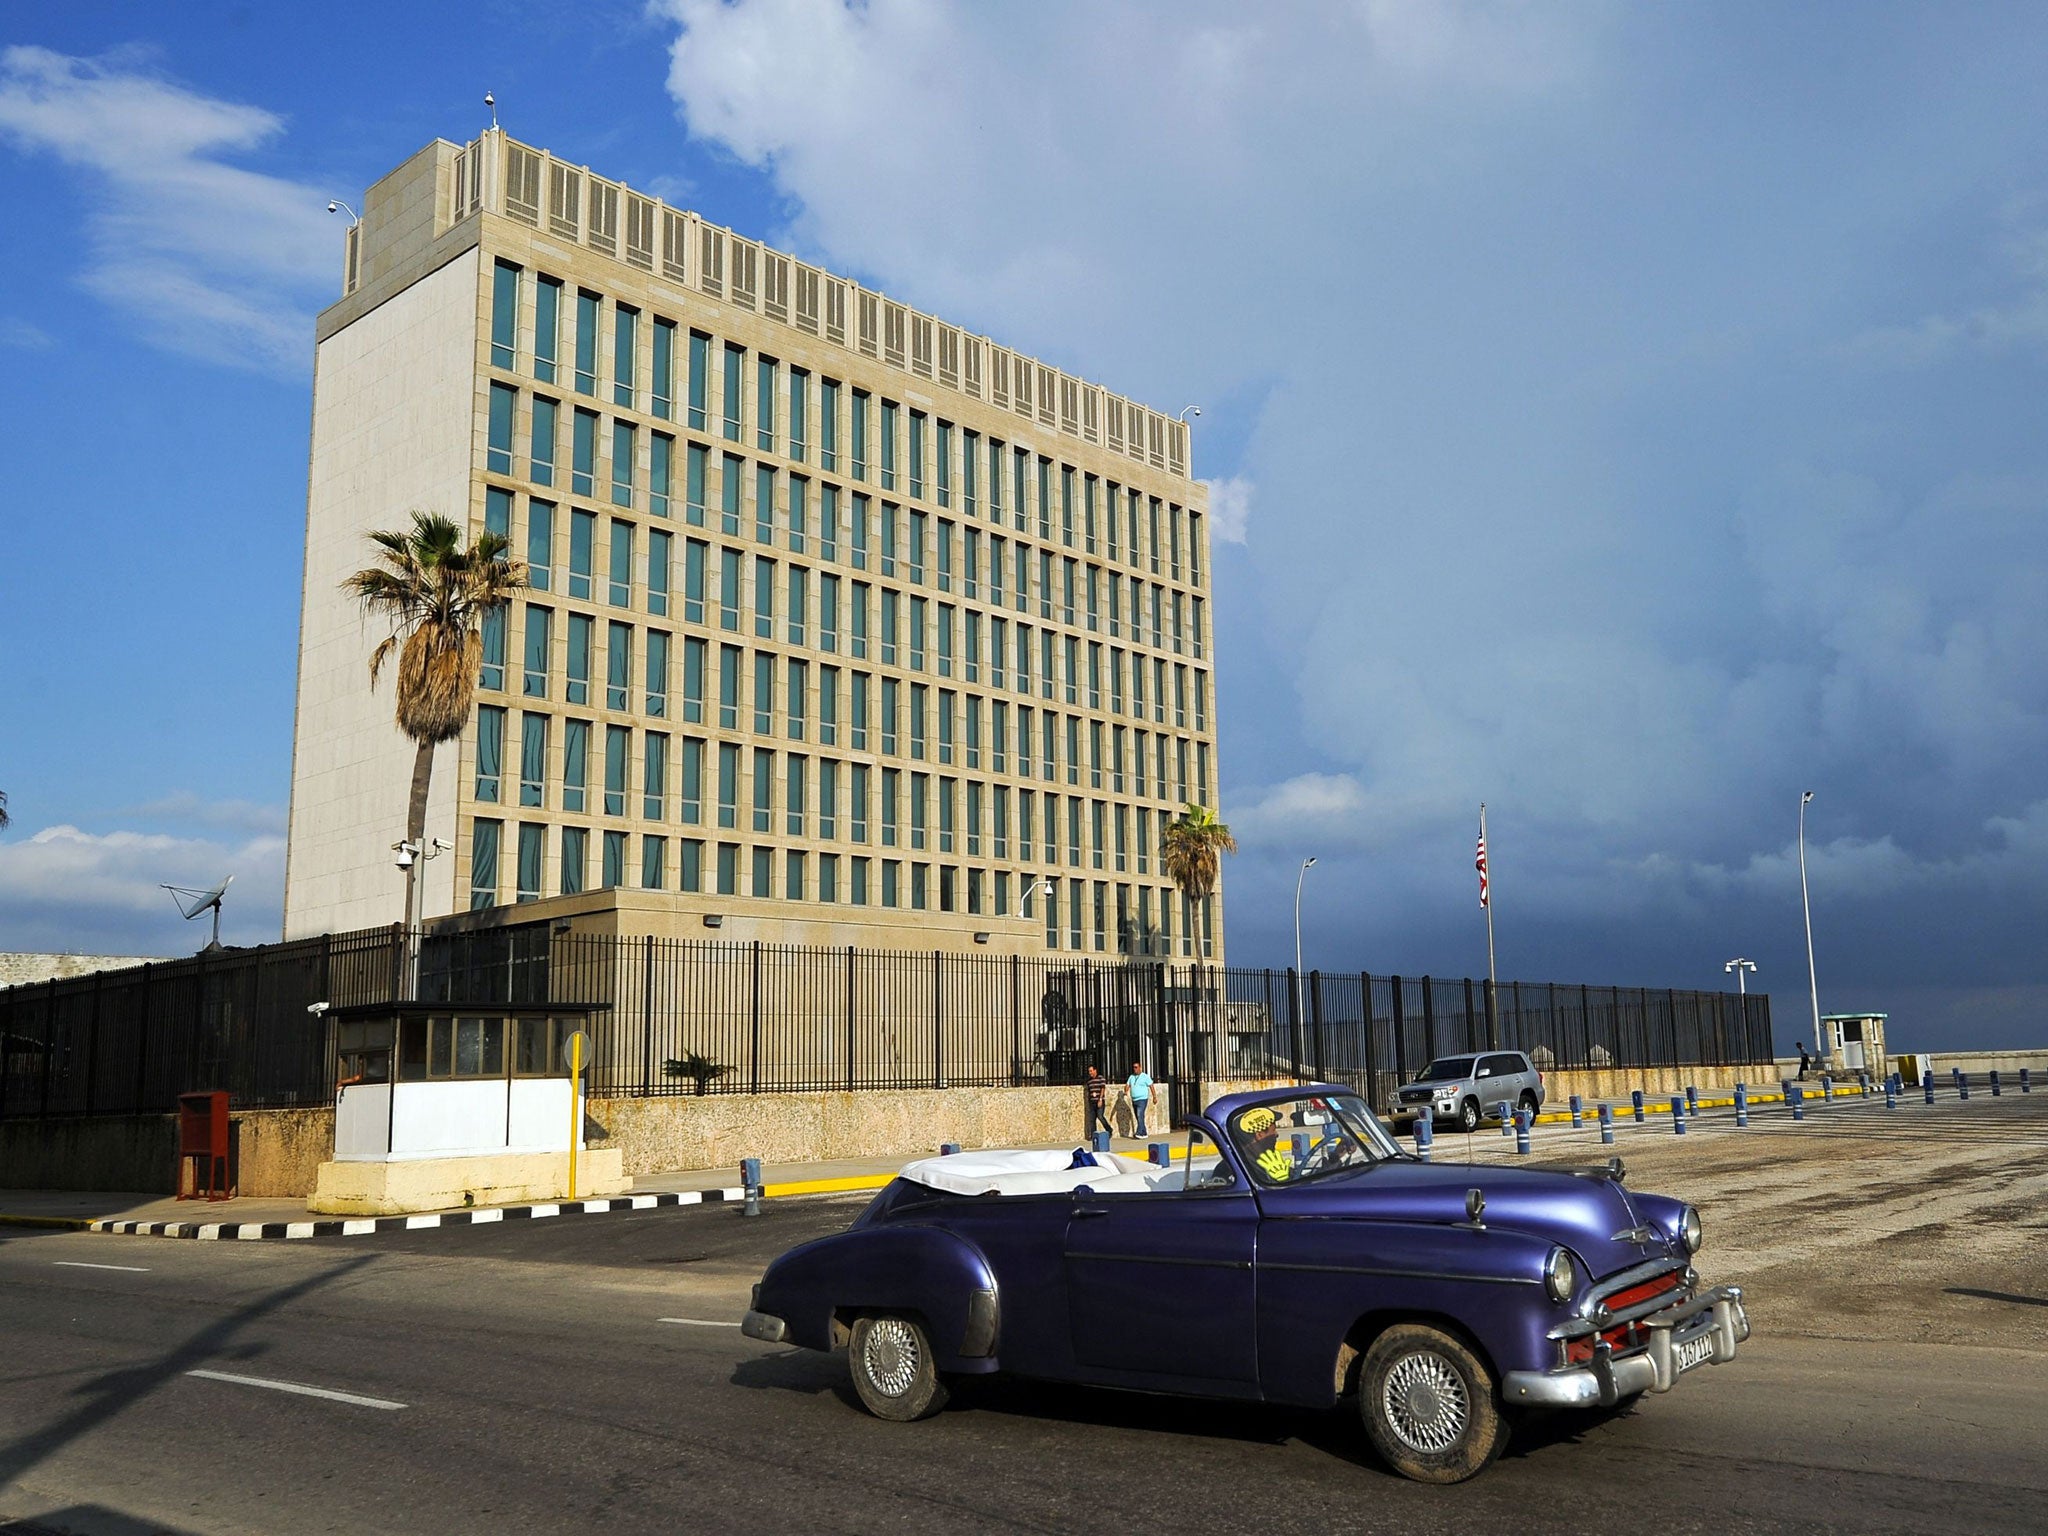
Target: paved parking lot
[[571, 1374]]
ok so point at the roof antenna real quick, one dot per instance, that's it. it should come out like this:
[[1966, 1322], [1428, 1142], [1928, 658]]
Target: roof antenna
[[492, 102], [192, 902]]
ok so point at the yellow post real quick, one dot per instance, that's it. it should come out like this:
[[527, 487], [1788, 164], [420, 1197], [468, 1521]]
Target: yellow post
[[575, 1105]]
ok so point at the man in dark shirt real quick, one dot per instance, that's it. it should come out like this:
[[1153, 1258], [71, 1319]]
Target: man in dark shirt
[[1805, 1061], [1097, 1089]]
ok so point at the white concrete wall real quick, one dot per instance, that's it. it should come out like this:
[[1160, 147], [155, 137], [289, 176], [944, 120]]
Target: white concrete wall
[[394, 404], [379, 1122]]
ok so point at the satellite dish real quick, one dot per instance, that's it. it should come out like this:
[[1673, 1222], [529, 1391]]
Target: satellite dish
[[193, 902]]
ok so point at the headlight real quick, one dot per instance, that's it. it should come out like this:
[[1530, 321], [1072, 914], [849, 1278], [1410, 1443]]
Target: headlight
[[1560, 1275], [1689, 1232]]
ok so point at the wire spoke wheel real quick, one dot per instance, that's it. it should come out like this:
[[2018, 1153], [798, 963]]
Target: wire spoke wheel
[[890, 1356], [894, 1369], [1428, 1404], [1425, 1403]]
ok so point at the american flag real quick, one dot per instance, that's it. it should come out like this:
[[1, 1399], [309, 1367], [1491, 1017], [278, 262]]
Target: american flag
[[1481, 863]]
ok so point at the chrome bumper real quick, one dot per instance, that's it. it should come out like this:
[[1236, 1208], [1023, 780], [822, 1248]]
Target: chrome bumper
[[1717, 1313], [759, 1325]]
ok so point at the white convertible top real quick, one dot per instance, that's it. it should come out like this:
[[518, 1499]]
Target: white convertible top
[[1035, 1173]]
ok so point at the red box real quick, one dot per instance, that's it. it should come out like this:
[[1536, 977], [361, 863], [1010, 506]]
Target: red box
[[203, 1146]]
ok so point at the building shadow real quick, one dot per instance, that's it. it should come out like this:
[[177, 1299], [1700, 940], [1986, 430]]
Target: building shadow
[[89, 1520]]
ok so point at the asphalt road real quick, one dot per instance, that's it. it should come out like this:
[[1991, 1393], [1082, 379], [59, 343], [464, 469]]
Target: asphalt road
[[583, 1373]]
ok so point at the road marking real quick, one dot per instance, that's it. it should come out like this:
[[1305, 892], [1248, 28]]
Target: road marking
[[133, 1269], [295, 1387], [696, 1322]]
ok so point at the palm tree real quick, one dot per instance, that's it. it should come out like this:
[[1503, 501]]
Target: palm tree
[[434, 594], [3, 810], [1192, 849]]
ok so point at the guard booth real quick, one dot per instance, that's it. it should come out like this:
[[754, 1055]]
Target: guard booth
[[1853, 1042]]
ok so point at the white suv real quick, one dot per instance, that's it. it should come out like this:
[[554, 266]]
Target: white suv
[[1469, 1089]]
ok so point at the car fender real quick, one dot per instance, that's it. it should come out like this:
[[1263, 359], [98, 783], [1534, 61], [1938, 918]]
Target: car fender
[[1319, 1279], [939, 1277]]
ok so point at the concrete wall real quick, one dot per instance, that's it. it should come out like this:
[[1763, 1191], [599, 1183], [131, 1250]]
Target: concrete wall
[[17, 969], [277, 1152]]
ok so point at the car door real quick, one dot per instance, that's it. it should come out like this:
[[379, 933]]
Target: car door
[[1023, 1239], [1160, 1285]]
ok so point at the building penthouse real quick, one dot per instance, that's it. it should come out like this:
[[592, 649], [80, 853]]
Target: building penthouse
[[844, 625]]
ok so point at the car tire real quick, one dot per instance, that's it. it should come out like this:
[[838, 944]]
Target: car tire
[[1428, 1405], [1468, 1116], [894, 1371], [1529, 1101]]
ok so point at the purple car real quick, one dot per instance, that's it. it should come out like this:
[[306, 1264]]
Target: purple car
[[1290, 1252]]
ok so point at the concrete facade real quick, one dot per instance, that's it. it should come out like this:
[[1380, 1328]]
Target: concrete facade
[[842, 619]]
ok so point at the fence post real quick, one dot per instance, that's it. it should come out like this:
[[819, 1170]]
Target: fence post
[[646, 1014], [1470, 1045], [1315, 1014], [938, 1021], [49, 1043], [1400, 1032], [1372, 1059], [849, 1019], [92, 1045], [754, 1023], [1294, 1024], [1016, 1022], [1428, 1022]]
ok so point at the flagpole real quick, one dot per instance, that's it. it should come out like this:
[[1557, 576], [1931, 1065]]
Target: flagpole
[[1492, 980]]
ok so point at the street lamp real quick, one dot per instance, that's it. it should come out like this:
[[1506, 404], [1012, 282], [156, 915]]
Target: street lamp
[[1813, 986], [1306, 864], [1740, 966]]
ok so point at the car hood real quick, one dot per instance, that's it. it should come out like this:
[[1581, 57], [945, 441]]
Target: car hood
[[1437, 1084], [1593, 1216]]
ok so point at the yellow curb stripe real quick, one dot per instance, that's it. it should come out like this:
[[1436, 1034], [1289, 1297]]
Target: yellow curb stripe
[[60, 1223], [828, 1186]]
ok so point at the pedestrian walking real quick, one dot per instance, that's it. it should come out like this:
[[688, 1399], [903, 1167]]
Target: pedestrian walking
[[1805, 1061], [1138, 1088], [1097, 1088]]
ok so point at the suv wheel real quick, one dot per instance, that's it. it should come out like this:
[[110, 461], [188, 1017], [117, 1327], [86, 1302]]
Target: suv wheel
[[1468, 1116], [1529, 1101], [1428, 1406]]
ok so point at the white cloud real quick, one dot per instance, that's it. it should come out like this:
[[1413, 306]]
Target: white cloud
[[185, 807], [24, 335], [1230, 508], [2018, 321], [208, 258], [72, 891]]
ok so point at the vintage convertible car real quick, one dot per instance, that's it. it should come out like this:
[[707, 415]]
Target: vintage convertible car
[[1290, 1253]]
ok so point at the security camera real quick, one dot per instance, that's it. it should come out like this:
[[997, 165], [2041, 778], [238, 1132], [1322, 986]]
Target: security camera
[[334, 207], [405, 855], [490, 100], [442, 845], [316, 1009]]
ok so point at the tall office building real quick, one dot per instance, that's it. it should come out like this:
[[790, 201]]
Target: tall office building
[[843, 625]]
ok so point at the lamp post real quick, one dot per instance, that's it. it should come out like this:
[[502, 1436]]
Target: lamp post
[[1024, 901], [1740, 967], [1306, 865], [1813, 985]]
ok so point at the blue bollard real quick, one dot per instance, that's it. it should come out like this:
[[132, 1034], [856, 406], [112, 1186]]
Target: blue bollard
[[1607, 1125], [949, 1148], [1927, 1087], [1425, 1137], [1506, 1116], [2026, 1085], [1636, 1099], [1995, 1092], [1963, 1086], [1100, 1141], [1161, 1154], [1522, 1118], [1742, 1105], [1692, 1101], [750, 1183], [1796, 1097], [1677, 1115], [1956, 1076], [1891, 1094], [1578, 1111], [1827, 1089]]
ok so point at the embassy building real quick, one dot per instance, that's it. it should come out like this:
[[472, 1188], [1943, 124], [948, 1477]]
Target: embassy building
[[844, 626]]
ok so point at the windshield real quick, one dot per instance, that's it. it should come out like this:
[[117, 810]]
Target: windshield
[[1448, 1069], [1294, 1141]]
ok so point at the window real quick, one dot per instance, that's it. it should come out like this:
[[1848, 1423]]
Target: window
[[919, 523], [653, 862], [498, 454], [657, 672], [694, 553], [729, 589], [618, 749], [799, 511], [587, 306], [693, 782], [693, 680], [575, 855], [857, 426], [620, 570], [659, 547], [828, 426], [970, 452], [764, 693], [889, 413], [889, 796], [764, 791], [540, 544], [728, 687], [918, 694], [764, 597], [828, 706], [859, 532], [828, 522], [547, 324], [857, 712], [625, 452], [483, 863], [575, 766], [504, 315], [735, 359], [799, 605], [794, 798], [618, 665], [583, 454], [858, 617], [765, 370], [537, 635], [729, 495], [533, 758], [694, 459], [498, 512], [541, 441], [614, 859], [828, 877], [664, 368], [828, 612], [764, 869], [625, 353], [582, 538], [700, 366], [793, 877], [578, 689], [890, 610], [490, 751], [917, 431], [797, 698], [920, 795], [945, 553], [654, 776], [799, 413], [828, 799], [917, 628], [728, 785], [690, 862]]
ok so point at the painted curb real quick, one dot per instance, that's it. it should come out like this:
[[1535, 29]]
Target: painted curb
[[59, 1223], [360, 1226]]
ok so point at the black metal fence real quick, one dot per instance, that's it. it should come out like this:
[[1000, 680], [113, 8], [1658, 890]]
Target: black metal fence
[[687, 1016]]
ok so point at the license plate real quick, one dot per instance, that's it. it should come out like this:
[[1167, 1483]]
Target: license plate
[[1693, 1352]]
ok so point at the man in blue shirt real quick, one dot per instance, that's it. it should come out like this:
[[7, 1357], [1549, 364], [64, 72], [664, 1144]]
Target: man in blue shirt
[[1138, 1086]]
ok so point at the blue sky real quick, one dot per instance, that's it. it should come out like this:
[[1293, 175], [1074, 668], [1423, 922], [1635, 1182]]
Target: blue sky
[[1628, 416]]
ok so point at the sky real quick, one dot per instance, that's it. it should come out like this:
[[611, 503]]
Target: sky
[[1626, 416]]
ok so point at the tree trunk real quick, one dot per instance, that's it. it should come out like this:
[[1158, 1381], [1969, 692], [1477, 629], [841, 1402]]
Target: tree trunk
[[416, 824]]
